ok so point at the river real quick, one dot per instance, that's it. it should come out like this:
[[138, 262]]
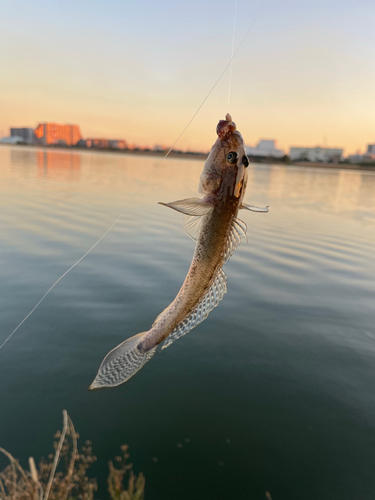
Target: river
[[274, 392]]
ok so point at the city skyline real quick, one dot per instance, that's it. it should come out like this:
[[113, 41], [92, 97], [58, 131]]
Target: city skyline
[[69, 135], [303, 75]]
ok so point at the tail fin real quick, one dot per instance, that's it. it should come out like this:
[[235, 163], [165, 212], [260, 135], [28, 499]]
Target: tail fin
[[121, 363]]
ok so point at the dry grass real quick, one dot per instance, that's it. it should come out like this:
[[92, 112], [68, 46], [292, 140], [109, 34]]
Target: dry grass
[[63, 475]]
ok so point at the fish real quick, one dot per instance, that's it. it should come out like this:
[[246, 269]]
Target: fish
[[212, 222]]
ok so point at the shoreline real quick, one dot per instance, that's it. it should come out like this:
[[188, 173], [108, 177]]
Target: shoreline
[[199, 156], [74, 149], [335, 166]]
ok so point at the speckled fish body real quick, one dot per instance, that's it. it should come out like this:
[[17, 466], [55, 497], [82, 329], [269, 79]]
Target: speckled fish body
[[212, 222], [209, 253]]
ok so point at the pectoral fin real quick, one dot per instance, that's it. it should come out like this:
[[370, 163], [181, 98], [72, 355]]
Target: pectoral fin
[[190, 206], [263, 210], [192, 226]]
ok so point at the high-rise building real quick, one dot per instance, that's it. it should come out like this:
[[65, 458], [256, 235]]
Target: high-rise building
[[27, 134], [55, 133]]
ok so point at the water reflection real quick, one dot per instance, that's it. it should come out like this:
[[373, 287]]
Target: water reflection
[[21, 157], [348, 187], [340, 190], [59, 165], [52, 165], [337, 190]]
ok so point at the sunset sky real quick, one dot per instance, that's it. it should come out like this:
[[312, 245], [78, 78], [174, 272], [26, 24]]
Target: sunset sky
[[138, 70]]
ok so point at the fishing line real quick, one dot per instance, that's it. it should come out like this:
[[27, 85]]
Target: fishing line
[[139, 189], [233, 40]]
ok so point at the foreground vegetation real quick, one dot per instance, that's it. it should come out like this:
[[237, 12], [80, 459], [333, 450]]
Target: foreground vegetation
[[63, 475]]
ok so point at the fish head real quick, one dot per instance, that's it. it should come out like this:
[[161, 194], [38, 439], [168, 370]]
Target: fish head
[[228, 155]]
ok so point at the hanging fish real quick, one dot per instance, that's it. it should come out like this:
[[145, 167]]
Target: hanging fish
[[212, 222]]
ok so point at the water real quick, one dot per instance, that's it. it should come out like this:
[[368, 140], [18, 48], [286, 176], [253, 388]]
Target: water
[[273, 392]]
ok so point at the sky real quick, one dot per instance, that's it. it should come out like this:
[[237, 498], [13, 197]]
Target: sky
[[139, 70]]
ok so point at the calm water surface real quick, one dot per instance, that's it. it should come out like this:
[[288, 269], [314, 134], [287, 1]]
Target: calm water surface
[[275, 391]]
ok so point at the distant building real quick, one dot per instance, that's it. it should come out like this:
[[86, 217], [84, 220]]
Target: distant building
[[27, 133], [15, 139], [356, 158], [368, 157], [117, 144], [54, 133], [317, 154], [265, 148], [103, 143], [359, 158], [97, 143]]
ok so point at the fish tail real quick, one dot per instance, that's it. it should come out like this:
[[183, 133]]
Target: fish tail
[[122, 363]]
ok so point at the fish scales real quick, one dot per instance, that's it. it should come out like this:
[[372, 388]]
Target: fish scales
[[212, 222], [208, 256]]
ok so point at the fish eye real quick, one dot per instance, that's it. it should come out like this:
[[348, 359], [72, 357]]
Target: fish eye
[[232, 157], [245, 161]]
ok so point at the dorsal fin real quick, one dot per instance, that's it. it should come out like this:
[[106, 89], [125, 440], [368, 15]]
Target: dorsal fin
[[209, 301], [236, 231]]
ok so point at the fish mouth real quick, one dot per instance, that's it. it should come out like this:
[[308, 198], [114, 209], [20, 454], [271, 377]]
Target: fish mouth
[[225, 128]]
